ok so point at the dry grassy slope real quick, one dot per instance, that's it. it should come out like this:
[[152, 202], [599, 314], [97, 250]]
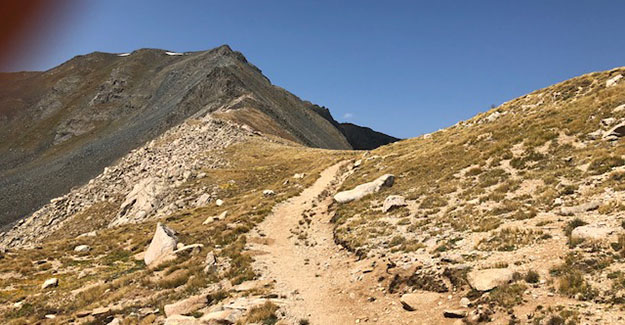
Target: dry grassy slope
[[108, 275], [488, 190]]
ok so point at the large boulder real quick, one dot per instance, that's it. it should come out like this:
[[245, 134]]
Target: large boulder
[[365, 189], [186, 306], [393, 201], [162, 246], [140, 202], [485, 280]]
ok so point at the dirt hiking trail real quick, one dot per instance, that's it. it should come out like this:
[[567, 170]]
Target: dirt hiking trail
[[321, 281]]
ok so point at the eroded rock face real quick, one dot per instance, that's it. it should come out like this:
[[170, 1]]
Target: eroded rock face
[[485, 280], [393, 201], [161, 247], [362, 190]]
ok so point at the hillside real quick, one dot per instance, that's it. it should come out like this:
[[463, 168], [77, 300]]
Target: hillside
[[514, 216], [519, 208], [61, 127]]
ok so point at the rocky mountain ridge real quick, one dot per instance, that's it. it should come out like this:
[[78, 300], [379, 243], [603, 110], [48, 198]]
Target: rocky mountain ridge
[[60, 128]]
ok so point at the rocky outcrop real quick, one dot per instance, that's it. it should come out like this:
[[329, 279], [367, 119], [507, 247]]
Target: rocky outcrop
[[134, 185], [161, 247], [85, 114], [362, 190]]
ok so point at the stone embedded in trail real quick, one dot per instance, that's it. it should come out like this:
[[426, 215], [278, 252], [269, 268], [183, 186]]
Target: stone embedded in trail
[[412, 301], [488, 279], [52, 282], [219, 202], [186, 306], [593, 232], [82, 248], [393, 201], [365, 189], [162, 246], [269, 193]]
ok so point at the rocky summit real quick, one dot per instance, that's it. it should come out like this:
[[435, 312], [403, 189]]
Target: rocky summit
[[157, 187]]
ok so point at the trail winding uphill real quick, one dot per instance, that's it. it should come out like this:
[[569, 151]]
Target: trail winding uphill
[[323, 283]]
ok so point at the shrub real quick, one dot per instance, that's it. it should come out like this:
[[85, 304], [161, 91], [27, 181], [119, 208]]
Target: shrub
[[532, 277]]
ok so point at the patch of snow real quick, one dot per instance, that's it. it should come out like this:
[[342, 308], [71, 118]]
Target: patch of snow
[[123, 54], [174, 53]]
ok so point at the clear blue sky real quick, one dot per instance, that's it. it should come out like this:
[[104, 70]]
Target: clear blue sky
[[401, 67]]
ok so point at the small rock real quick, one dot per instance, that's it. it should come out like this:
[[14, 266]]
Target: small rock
[[115, 321], [485, 280], [219, 202], [186, 306], [412, 301], [211, 263], [393, 201], [615, 132], [269, 193], [465, 302], [52, 282], [365, 189], [203, 200], [455, 313], [613, 81], [82, 248]]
